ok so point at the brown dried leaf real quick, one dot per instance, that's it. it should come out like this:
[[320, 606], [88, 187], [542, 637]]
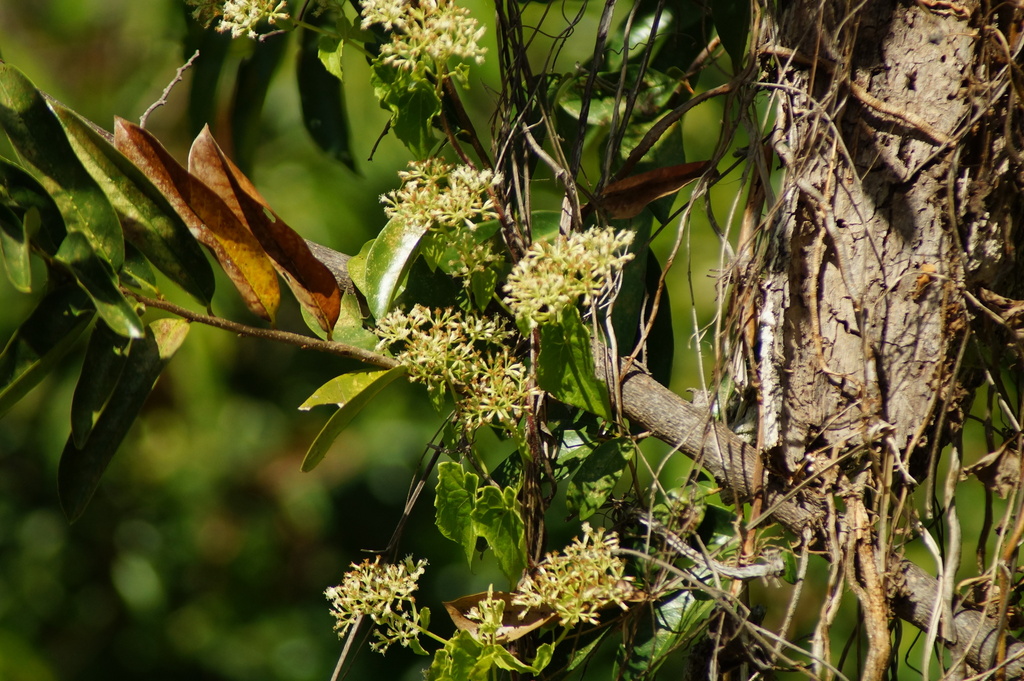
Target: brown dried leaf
[[999, 471], [517, 621], [310, 280], [209, 220], [626, 198]]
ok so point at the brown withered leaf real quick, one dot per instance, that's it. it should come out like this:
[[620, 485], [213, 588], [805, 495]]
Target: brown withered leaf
[[309, 279], [999, 471], [208, 218], [626, 198], [517, 621]]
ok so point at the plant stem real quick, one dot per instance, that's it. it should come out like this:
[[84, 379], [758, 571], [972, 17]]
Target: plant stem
[[304, 342]]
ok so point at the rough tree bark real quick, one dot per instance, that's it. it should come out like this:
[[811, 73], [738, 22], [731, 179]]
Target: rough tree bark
[[897, 128]]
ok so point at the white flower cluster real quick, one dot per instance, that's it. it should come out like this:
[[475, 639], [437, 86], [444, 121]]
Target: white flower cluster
[[435, 30], [557, 274], [384, 594], [463, 353], [579, 582], [239, 17], [451, 201]]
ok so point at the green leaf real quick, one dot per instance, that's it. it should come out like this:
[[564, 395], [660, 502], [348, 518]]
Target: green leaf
[[597, 476], [351, 392], [565, 367], [413, 103], [105, 359], [136, 272], [37, 135], [463, 658], [150, 222], [41, 341], [251, 86], [81, 468], [23, 194], [455, 501], [97, 277], [496, 518], [322, 97], [388, 262], [213, 48], [15, 250], [670, 625], [328, 51], [732, 21], [349, 328]]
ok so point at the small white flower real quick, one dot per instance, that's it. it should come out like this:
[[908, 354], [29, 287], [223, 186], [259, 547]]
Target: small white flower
[[553, 275]]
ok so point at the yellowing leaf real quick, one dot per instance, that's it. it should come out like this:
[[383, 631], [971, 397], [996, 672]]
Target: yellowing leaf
[[211, 222], [314, 286]]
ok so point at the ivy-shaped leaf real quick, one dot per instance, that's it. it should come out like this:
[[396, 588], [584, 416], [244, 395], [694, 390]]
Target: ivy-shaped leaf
[[455, 502], [597, 475], [565, 367], [413, 103], [497, 518]]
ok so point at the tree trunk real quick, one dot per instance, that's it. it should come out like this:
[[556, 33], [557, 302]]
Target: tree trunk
[[897, 127]]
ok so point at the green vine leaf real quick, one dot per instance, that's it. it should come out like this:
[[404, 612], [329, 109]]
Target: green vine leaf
[[388, 262], [455, 502], [497, 519], [597, 476], [413, 103], [565, 367]]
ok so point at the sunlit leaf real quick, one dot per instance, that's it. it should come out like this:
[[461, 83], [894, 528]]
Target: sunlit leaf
[[352, 392], [98, 279], [313, 284], [41, 341], [497, 519], [81, 468], [597, 475], [565, 367], [149, 221], [455, 500], [37, 135], [105, 358], [211, 222], [349, 329], [388, 262]]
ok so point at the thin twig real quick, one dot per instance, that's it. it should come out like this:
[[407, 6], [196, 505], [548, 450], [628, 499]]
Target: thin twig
[[303, 342], [178, 75]]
